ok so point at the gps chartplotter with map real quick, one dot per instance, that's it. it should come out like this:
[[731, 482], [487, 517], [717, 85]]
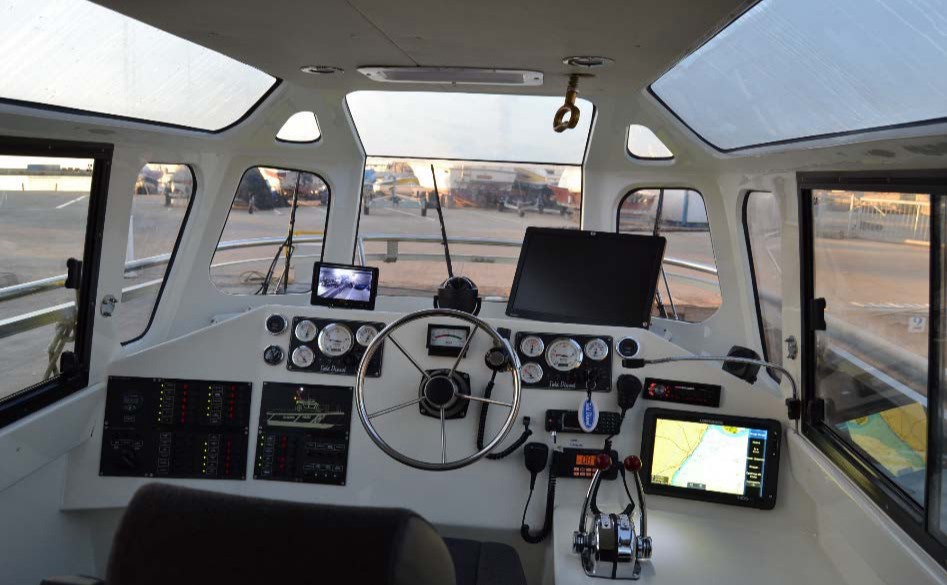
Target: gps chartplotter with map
[[704, 456]]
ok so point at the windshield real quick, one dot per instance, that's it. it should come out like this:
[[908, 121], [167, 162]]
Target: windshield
[[487, 208]]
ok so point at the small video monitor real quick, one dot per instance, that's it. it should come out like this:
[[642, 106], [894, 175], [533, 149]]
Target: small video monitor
[[705, 456], [344, 286]]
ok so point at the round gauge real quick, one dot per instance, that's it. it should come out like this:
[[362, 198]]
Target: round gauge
[[303, 357], [276, 324], [596, 349], [531, 373], [306, 331], [335, 340], [532, 346], [365, 334], [627, 347], [564, 354]]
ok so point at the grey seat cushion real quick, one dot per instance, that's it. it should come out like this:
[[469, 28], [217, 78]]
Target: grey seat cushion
[[485, 563]]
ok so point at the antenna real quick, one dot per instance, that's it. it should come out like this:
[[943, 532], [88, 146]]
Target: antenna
[[440, 217]]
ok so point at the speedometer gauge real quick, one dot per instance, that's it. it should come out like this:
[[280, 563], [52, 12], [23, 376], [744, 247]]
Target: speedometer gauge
[[531, 373], [532, 346], [335, 340], [564, 354], [596, 349]]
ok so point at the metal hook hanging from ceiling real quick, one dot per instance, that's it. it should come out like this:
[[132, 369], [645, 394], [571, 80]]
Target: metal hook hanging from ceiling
[[559, 122]]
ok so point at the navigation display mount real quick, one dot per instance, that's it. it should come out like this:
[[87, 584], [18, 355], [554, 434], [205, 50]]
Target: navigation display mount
[[709, 457]]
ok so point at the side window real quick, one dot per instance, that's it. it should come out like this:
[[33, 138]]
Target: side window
[[871, 264], [45, 204], [763, 224], [160, 205], [273, 234], [689, 289]]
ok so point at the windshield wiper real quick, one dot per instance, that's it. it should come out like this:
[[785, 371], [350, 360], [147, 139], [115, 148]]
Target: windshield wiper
[[287, 245]]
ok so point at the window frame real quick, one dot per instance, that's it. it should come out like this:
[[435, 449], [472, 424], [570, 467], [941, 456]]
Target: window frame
[[325, 229], [919, 521], [174, 250], [44, 393], [774, 375], [283, 141], [663, 277], [647, 159]]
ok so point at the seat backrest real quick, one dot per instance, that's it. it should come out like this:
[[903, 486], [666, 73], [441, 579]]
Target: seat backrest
[[177, 536]]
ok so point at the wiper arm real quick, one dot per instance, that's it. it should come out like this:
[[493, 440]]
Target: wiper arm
[[288, 246]]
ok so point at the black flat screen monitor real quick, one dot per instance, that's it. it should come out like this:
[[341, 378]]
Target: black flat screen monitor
[[344, 286], [598, 278], [710, 457]]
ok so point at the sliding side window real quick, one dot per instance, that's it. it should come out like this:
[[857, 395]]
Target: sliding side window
[[49, 210], [688, 289], [763, 226], [274, 233], [161, 203], [874, 336]]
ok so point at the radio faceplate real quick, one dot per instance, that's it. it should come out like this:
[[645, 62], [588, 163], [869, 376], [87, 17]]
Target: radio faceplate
[[563, 361]]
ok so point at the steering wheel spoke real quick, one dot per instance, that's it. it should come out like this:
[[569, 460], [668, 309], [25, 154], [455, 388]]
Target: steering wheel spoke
[[435, 394], [487, 400], [394, 408]]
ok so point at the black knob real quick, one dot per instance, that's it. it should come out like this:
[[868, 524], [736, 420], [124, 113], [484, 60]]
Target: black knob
[[276, 324], [627, 348], [497, 359], [273, 355]]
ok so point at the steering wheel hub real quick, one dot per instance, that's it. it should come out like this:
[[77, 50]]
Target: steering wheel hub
[[440, 392]]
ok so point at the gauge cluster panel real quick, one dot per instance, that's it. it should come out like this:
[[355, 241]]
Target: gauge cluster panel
[[175, 428], [328, 346], [304, 433], [559, 361]]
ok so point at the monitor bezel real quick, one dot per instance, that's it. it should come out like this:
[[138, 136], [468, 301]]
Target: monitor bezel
[[519, 313], [318, 301], [766, 501]]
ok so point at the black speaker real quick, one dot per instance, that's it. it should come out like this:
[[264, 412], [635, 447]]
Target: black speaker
[[747, 372]]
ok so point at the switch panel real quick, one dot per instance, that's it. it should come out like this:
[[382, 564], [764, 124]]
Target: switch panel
[[158, 427], [304, 433]]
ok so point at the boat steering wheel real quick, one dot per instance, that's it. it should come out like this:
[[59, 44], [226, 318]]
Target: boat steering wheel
[[441, 390]]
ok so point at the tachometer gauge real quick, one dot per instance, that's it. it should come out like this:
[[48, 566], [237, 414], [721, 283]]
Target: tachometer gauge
[[564, 354], [531, 373], [365, 334], [446, 340], [306, 331], [532, 346], [596, 349], [303, 357], [335, 340]]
